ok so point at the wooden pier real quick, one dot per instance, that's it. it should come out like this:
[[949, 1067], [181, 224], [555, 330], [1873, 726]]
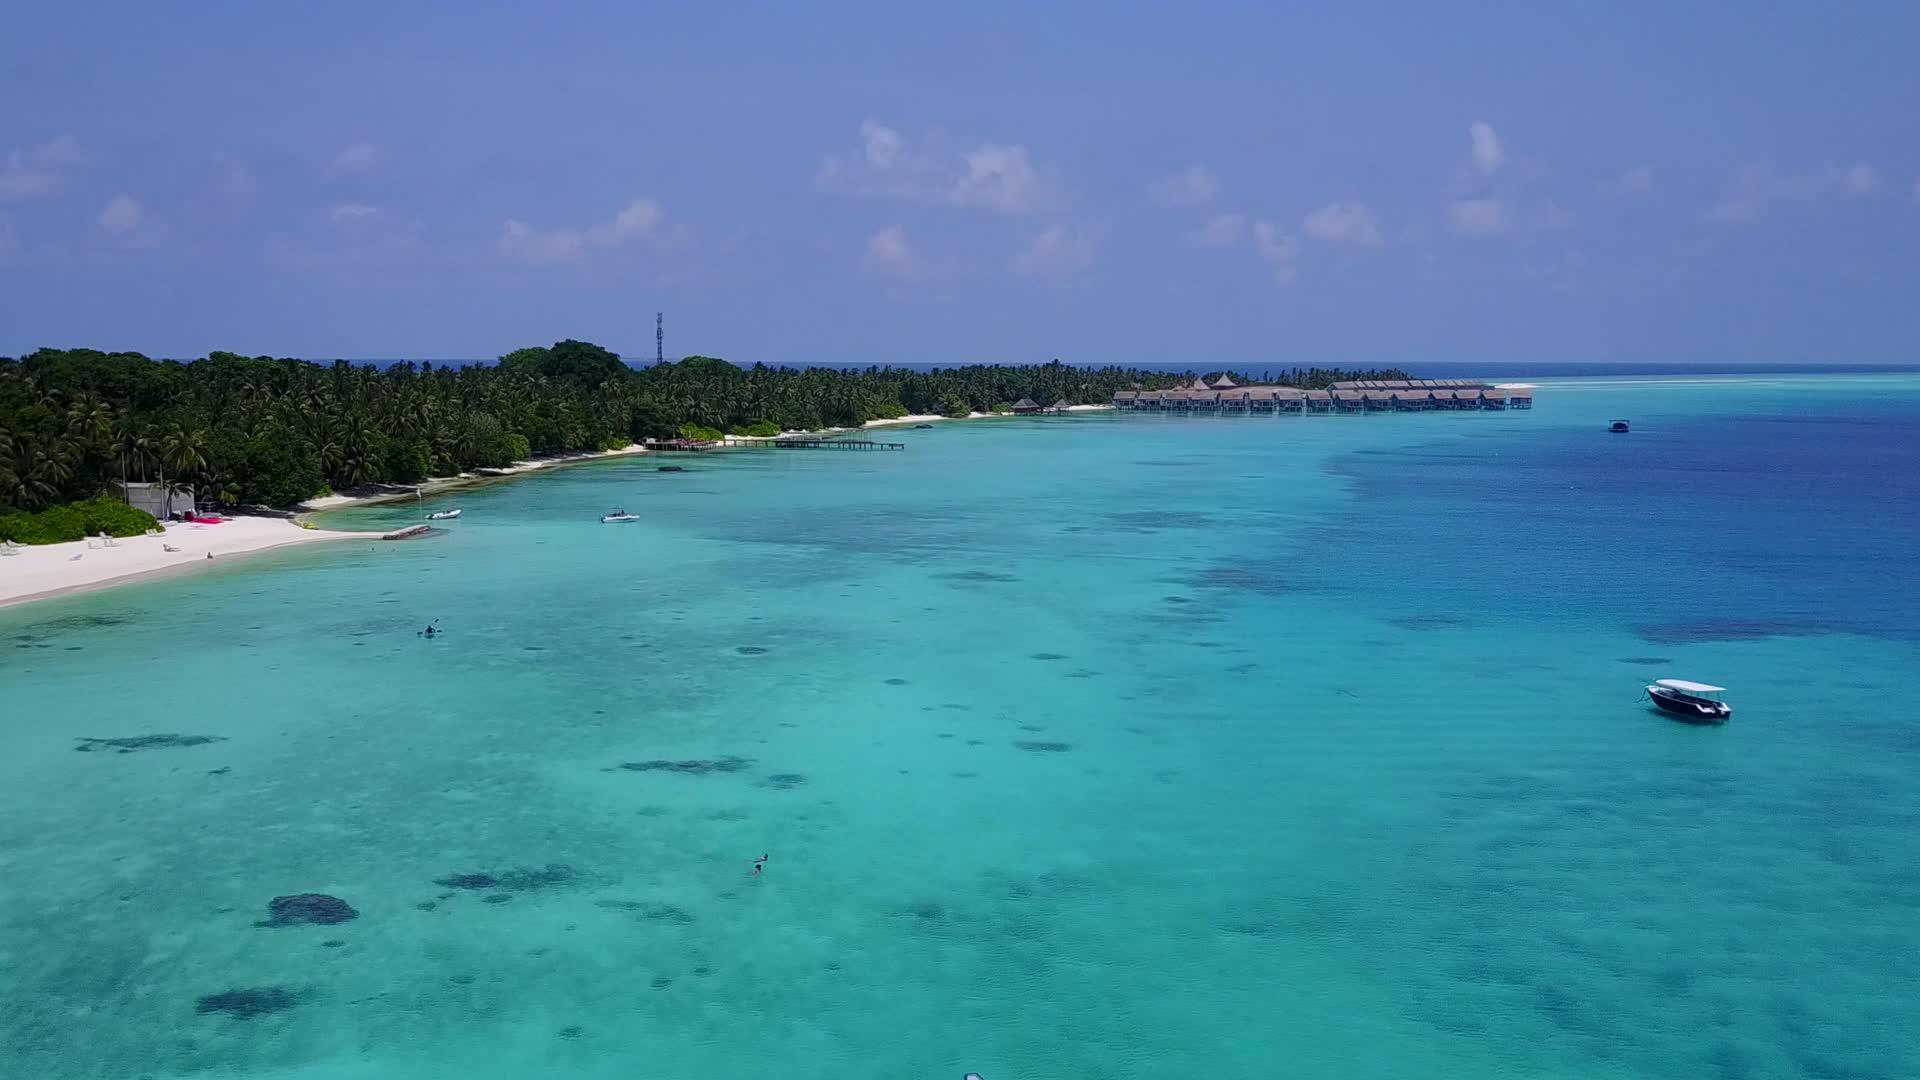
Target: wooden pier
[[1350, 398], [809, 443]]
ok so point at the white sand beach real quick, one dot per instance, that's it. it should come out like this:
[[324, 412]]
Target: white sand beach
[[919, 418], [924, 418], [47, 570], [441, 484]]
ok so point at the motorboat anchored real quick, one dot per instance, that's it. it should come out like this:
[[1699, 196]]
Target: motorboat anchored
[[618, 516], [1691, 701], [443, 515]]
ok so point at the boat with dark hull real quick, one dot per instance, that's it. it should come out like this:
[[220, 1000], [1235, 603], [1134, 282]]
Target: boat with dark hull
[[1619, 427], [1696, 703]]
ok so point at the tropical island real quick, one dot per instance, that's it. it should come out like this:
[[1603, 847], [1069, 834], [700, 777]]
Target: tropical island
[[77, 425]]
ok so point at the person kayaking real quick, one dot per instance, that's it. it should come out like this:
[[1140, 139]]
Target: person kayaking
[[431, 630]]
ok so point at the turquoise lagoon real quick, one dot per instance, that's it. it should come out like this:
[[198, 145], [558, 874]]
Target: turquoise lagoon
[[1083, 747]]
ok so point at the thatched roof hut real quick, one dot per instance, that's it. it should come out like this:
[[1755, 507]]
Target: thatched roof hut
[[1026, 405]]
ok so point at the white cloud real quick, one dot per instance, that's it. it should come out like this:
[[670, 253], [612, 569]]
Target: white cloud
[[991, 176], [888, 252], [1757, 187], [120, 216], [1195, 186], [1221, 230], [998, 178], [1277, 249], [1342, 223], [883, 144], [1635, 181], [40, 169], [358, 158], [1860, 180], [1479, 217], [19, 182], [1488, 155], [638, 220], [1059, 251], [351, 212], [522, 241]]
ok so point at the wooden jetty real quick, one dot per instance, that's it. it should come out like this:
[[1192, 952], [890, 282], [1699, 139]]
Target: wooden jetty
[[813, 443], [1355, 398]]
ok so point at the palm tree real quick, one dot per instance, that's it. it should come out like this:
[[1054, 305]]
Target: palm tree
[[127, 444], [7, 478], [33, 479], [181, 451], [90, 421]]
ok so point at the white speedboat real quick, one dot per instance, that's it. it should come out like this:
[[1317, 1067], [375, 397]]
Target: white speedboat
[[443, 515], [618, 516], [1692, 701]]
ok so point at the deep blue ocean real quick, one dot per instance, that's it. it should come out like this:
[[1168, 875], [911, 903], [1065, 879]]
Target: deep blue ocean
[[1090, 746]]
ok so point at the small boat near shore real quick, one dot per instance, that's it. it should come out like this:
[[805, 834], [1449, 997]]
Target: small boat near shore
[[618, 516], [443, 515], [1618, 427], [1696, 703]]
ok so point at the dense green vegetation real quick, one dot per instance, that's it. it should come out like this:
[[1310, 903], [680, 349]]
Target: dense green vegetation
[[74, 423], [100, 515]]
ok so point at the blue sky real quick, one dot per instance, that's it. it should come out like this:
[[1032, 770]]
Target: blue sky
[[1257, 184]]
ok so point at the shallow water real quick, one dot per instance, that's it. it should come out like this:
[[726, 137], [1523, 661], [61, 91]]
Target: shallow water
[[1082, 746]]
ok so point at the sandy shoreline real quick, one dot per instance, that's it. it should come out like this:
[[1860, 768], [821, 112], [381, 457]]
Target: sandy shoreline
[[929, 419], [440, 485], [47, 570]]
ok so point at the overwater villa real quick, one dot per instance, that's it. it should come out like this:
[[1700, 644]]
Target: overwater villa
[[1411, 395]]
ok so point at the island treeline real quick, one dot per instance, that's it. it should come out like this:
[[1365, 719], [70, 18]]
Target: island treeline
[[257, 430]]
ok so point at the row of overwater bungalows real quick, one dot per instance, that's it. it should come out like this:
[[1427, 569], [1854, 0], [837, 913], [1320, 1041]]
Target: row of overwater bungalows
[[1355, 397]]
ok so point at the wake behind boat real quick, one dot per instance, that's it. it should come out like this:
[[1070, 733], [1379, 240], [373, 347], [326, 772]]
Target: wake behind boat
[[443, 515], [618, 516], [1694, 702]]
